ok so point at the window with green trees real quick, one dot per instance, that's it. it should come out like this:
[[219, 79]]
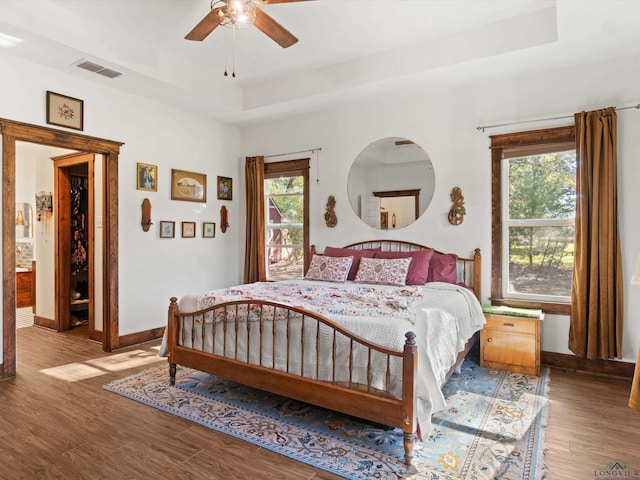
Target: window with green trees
[[534, 201], [286, 210]]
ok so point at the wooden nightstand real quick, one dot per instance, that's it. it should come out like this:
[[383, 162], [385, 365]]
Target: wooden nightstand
[[511, 343]]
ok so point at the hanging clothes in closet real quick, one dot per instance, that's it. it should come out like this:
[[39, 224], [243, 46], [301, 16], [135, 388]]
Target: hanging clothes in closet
[[79, 226]]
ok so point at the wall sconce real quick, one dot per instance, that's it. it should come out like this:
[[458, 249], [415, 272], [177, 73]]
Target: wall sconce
[[20, 219], [330, 216], [457, 210], [146, 215], [224, 219]]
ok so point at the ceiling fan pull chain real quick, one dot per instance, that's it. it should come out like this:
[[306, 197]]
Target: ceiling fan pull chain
[[226, 38], [234, 53]]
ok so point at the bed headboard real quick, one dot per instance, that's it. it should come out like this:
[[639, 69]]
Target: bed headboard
[[469, 268]]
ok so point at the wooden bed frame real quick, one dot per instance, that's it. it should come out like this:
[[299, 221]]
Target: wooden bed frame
[[362, 401]]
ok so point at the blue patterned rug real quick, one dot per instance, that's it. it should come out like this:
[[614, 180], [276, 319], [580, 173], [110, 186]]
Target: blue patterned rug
[[492, 427]]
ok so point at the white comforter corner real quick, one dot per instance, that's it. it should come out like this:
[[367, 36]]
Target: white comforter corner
[[443, 317]]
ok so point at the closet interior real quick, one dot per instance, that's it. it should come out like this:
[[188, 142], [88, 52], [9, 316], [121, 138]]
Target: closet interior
[[80, 297]]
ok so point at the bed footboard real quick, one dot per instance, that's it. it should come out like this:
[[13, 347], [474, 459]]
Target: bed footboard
[[302, 355]]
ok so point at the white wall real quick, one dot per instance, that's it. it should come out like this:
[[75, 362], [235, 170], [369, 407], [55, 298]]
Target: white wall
[[444, 124], [151, 270]]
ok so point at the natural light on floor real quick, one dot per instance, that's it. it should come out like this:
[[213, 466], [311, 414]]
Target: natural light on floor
[[74, 372]]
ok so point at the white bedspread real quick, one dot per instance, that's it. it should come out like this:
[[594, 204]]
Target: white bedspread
[[443, 317]]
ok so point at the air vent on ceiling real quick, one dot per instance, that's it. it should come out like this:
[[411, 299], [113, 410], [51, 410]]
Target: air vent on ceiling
[[107, 72], [94, 67]]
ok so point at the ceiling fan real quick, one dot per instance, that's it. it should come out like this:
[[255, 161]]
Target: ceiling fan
[[242, 13]]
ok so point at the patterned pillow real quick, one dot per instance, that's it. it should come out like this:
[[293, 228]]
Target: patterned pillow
[[419, 268], [329, 269], [387, 271], [348, 252]]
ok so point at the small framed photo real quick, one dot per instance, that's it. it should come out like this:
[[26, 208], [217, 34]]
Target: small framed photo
[[188, 229], [65, 111], [147, 175], [167, 229], [208, 229], [225, 188], [188, 186], [384, 220]]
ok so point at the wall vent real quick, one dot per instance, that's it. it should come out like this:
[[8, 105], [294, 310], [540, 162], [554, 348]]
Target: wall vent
[[94, 67]]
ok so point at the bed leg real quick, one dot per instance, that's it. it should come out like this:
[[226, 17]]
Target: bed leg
[[172, 374], [409, 442]]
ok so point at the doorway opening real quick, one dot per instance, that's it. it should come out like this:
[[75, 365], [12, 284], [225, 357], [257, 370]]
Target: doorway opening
[[13, 132]]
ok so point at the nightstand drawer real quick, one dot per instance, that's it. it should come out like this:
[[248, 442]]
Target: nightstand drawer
[[511, 324]]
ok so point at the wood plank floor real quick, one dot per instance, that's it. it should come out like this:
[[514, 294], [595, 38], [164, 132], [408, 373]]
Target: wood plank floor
[[57, 422]]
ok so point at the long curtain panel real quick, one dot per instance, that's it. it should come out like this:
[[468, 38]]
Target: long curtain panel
[[597, 298], [254, 260], [634, 398]]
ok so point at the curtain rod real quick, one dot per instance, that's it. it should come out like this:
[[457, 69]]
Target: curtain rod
[[484, 127], [312, 150]]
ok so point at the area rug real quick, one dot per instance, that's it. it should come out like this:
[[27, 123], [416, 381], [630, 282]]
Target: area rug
[[492, 427]]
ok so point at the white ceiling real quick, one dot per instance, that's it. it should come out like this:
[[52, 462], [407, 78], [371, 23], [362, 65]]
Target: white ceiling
[[348, 49]]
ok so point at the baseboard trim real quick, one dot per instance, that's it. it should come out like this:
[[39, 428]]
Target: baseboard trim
[[95, 335], [49, 323], [579, 364], [140, 337]]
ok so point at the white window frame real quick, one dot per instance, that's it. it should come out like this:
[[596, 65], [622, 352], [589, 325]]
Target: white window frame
[[508, 223]]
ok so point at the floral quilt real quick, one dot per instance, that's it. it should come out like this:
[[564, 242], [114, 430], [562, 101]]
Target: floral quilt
[[358, 301]]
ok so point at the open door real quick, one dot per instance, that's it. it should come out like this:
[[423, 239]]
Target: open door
[[75, 241]]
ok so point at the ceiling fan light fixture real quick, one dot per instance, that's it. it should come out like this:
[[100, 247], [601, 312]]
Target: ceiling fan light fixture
[[234, 13]]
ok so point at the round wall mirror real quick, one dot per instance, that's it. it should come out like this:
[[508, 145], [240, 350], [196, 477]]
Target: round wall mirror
[[391, 183]]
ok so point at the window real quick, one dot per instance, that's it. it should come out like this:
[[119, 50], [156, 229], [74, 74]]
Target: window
[[286, 188], [533, 224]]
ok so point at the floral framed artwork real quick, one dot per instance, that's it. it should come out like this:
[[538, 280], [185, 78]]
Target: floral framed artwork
[[225, 191], [65, 111], [208, 230], [188, 186], [188, 229], [147, 177], [167, 229]]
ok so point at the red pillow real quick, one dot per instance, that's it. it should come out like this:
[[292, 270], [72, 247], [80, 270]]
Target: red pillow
[[349, 252], [443, 268], [419, 266]]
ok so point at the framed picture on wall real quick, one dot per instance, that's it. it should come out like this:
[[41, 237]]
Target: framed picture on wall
[[188, 229], [167, 229], [188, 186], [65, 111], [147, 177], [208, 229], [384, 220], [225, 185]]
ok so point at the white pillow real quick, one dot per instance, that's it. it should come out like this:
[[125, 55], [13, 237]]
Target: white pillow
[[386, 271], [329, 269]]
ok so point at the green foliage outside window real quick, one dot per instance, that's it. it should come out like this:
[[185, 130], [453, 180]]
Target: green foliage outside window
[[542, 196]]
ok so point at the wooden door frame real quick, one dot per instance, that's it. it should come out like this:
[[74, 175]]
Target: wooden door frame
[[13, 132]]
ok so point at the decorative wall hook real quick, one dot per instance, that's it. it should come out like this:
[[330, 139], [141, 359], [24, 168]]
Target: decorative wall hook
[[330, 216], [224, 219], [457, 210], [146, 215]]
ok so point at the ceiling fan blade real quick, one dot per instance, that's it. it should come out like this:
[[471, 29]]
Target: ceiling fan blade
[[202, 30], [271, 2], [274, 30]]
